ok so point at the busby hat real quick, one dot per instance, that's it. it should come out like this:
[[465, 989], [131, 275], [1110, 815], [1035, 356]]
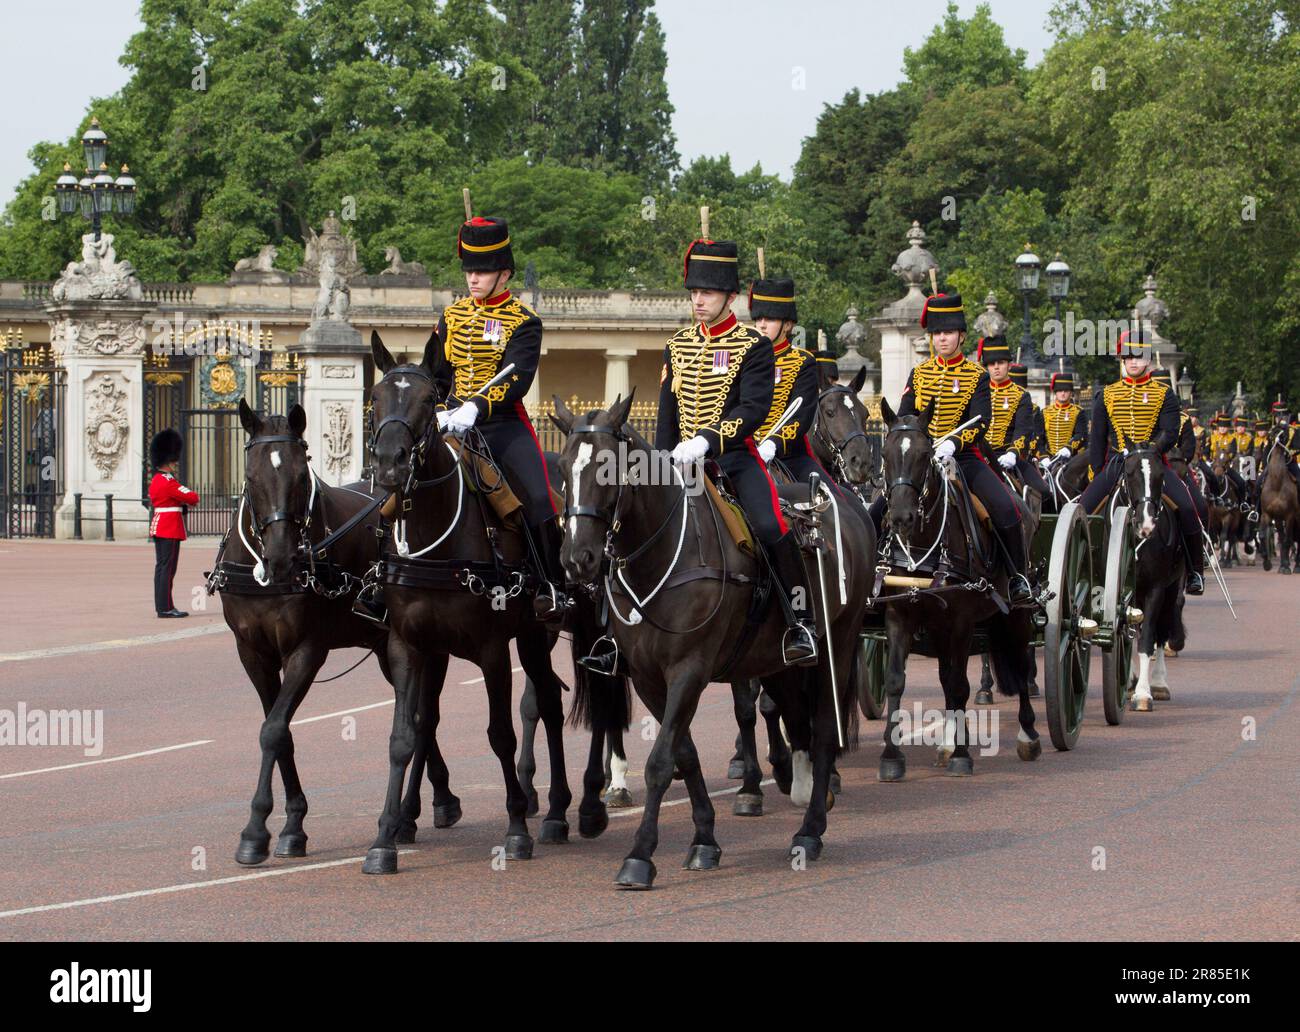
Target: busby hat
[[1221, 419], [1163, 376], [993, 349], [1062, 382], [772, 299], [165, 448], [827, 365], [1134, 343], [1192, 410], [712, 265], [943, 312], [484, 245], [1261, 424], [1278, 408], [1019, 374], [1239, 420]]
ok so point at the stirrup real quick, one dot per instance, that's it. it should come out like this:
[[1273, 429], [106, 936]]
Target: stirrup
[[1018, 585], [803, 650], [603, 658], [371, 609], [1195, 583], [550, 603]]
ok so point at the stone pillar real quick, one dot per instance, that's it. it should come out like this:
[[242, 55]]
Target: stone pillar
[[101, 343], [902, 342], [333, 394], [533, 396], [618, 380]]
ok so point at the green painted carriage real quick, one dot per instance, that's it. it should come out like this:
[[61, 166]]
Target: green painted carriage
[[1090, 573]]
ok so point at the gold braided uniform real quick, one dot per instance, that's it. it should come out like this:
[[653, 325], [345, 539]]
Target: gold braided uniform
[[478, 339], [796, 376], [958, 389], [1005, 401], [1220, 441], [1133, 408], [1062, 425]]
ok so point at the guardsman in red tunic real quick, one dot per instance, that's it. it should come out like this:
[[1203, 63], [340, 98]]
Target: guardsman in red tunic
[[1138, 410], [168, 498], [715, 392], [479, 336]]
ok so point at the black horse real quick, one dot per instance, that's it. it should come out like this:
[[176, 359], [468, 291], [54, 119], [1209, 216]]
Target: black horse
[[929, 534], [684, 616], [1160, 568], [454, 581], [288, 570]]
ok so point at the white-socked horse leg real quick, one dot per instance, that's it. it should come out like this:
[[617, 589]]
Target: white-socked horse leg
[[1142, 697], [1159, 677], [949, 741], [801, 786]]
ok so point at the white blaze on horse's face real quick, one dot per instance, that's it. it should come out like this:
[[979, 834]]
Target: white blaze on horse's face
[[848, 403], [579, 464], [903, 445], [402, 384], [275, 460], [1148, 523]]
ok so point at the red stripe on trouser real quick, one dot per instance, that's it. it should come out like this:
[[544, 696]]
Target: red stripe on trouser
[[541, 455], [771, 487], [825, 476]]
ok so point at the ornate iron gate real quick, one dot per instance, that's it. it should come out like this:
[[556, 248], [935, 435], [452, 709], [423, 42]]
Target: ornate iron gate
[[212, 465], [166, 394], [32, 391]]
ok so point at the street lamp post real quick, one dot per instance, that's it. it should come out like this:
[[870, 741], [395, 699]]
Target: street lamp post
[[96, 193], [1027, 268], [1058, 286]]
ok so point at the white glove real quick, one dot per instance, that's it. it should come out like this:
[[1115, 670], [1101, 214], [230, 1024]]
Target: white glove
[[946, 450], [1007, 460], [691, 451], [1064, 453], [463, 418], [443, 416], [767, 450]]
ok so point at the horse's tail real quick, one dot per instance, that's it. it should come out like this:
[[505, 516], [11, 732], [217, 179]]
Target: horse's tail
[[1009, 651]]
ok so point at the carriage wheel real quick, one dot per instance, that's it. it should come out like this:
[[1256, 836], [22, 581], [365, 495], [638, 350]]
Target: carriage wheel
[[1121, 576], [869, 677], [1066, 653]]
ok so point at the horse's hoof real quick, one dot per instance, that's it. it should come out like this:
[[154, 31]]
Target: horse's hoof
[[736, 770], [942, 756], [984, 697], [1029, 750], [748, 804], [892, 770], [447, 814], [593, 825], [830, 800], [960, 767], [618, 799], [1034, 690], [404, 837], [836, 784], [251, 853], [1286, 570], [1171, 652], [703, 858], [519, 847], [1141, 705], [636, 874], [295, 844], [811, 846], [380, 860], [534, 806], [554, 832], [1160, 693]]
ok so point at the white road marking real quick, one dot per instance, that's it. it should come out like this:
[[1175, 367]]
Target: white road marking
[[479, 680], [107, 759], [186, 886], [341, 713], [114, 643]]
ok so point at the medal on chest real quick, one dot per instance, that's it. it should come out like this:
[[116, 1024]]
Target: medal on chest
[[492, 330], [1005, 404], [778, 374], [721, 361], [956, 386]]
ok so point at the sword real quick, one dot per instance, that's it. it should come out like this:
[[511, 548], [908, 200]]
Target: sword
[[505, 371], [1218, 573], [826, 617], [786, 416], [973, 421]]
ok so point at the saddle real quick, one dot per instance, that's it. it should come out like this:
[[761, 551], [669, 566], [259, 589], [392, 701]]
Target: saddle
[[732, 516]]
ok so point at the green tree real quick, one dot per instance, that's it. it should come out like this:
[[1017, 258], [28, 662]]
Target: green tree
[[963, 52]]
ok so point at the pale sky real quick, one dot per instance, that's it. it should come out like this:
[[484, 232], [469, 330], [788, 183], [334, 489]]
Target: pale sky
[[732, 67]]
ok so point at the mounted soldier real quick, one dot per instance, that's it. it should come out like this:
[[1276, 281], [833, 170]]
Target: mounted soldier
[[1187, 445], [774, 311], [1019, 375], [1065, 424], [1011, 428], [477, 337], [1137, 410], [956, 390], [715, 391]]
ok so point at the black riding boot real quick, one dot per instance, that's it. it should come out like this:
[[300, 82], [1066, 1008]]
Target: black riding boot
[[1195, 564], [551, 603], [1018, 587], [792, 582]]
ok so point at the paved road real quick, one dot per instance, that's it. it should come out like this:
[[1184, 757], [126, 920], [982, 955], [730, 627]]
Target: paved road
[[1198, 826]]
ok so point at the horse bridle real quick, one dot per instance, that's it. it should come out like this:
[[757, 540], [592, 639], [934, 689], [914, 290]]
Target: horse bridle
[[1157, 503], [823, 435], [302, 522]]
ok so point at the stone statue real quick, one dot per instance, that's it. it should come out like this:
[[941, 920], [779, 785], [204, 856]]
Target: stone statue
[[99, 275], [991, 322], [264, 262], [913, 265], [851, 334], [397, 267], [333, 298], [331, 241], [1151, 310]]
